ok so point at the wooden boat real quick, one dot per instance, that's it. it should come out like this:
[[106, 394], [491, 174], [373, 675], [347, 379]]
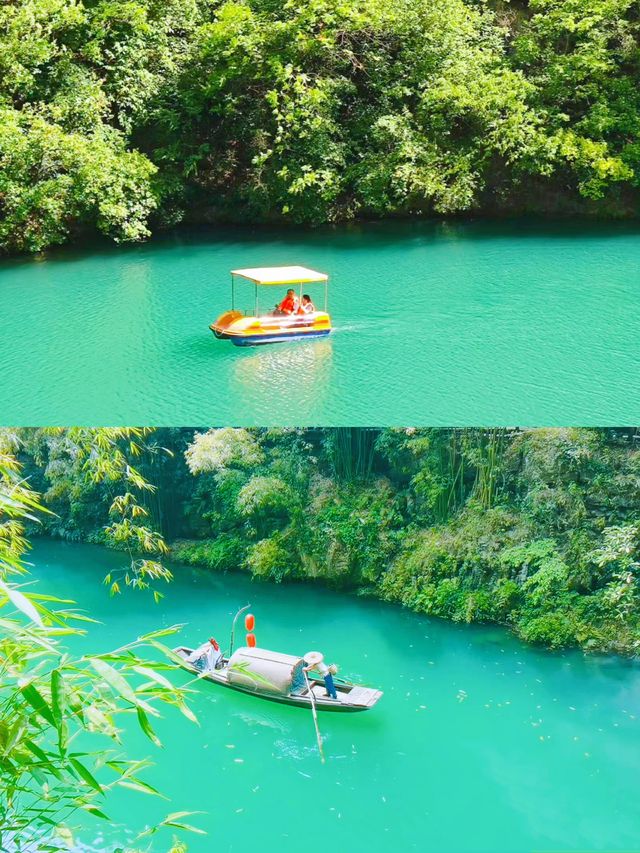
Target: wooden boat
[[252, 328], [279, 678]]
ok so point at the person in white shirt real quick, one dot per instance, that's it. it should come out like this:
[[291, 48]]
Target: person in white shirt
[[306, 306], [314, 660], [207, 656]]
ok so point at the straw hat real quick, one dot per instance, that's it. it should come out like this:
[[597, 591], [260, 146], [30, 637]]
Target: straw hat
[[313, 658]]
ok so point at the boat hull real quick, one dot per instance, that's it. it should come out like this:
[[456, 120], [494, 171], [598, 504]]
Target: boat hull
[[259, 340], [255, 331], [322, 704]]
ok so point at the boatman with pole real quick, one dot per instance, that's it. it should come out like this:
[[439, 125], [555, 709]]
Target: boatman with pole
[[315, 661]]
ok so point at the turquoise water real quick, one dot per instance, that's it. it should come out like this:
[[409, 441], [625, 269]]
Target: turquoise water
[[478, 744], [438, 324]]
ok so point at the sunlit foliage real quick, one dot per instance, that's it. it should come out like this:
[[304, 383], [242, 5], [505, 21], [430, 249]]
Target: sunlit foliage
[[537, 529], [60, 715], [118, 116]]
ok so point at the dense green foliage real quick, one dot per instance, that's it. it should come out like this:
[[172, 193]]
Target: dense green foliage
[[535, 529], [60, 747], [117, 114]]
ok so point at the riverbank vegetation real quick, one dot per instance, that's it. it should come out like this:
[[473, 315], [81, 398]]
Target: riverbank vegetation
[[535, 529], [122, 117], [61, 751]]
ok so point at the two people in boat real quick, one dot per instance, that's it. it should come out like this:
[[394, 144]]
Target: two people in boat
[[206, 657], [292, 305], [315, 661]]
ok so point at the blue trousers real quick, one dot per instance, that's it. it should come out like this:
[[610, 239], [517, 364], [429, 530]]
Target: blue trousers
[[331, 688]]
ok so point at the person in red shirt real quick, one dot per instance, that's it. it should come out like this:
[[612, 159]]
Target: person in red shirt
[[289, 304]]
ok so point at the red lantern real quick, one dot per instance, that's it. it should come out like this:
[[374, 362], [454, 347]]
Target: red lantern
[[251, 641], [249, 621]]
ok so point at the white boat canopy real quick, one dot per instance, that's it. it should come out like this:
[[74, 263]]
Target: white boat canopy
[[263, 670], [281, 275]]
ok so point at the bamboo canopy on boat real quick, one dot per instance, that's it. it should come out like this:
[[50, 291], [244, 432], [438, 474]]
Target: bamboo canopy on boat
[[279, 670], [281, 275]]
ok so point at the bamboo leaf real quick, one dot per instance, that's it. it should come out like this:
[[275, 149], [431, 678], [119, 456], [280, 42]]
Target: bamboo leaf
[[186, 827], [154, 676], [58, 697], [38, 703], [162, 632], [86, 775], [94, 810], [21, 602], [137, 785], [114, 679], [44, 758], [145, 725]]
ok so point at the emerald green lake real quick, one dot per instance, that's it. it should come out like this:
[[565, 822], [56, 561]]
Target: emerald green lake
[[435, 323], [479, 743]]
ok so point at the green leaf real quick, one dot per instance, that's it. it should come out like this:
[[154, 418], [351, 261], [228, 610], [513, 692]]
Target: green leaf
[[188, 713], [114, 679], [162, 632], [21, 602], [147, 672], [44, 758], [145, 725], [186, 827], [14, 734], [137, 785], [84, 774], [37, 701], [58, 696], [94, 810]]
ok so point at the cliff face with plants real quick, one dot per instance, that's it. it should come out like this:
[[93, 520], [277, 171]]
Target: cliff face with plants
[[120, 117], [535, 529]]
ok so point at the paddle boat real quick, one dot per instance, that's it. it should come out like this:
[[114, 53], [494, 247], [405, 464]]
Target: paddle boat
[[251, 328], [273, 676]]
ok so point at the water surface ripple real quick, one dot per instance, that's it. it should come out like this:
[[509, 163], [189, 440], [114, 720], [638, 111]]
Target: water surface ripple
[[480, 744], [436, 323]]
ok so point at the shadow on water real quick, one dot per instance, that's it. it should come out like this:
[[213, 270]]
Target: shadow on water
[[351, 236]]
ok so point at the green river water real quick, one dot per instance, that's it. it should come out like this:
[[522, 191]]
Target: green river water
[[435, 323], [479, 743]]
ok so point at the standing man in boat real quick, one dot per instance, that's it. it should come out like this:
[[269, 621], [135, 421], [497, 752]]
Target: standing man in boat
[[289, 304], [315, 660]]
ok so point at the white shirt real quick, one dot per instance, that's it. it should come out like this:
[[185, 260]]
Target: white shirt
[[206, 650], [322, 668]]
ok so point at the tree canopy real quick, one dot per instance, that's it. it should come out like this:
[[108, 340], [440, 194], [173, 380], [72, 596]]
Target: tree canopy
[[535, 529], [119, 116]]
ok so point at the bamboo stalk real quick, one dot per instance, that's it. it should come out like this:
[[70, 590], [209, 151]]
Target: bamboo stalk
[[315, 716]]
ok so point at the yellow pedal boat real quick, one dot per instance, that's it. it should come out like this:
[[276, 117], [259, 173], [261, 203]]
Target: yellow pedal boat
[[251, 328]]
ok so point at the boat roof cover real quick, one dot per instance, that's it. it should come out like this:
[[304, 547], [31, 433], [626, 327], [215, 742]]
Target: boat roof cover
[[274, 668], [281, 275]]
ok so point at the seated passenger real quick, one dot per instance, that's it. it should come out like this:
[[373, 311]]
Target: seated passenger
[[206, 657], [289, 304], [306, 306]]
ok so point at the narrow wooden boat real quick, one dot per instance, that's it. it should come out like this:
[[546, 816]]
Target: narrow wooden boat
[[253, 327], [279, 678]]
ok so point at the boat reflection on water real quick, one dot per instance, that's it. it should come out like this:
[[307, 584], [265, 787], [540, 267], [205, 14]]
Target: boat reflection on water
[[294, 377]]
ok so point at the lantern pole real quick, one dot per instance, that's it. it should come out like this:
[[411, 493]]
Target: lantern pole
[[233, 626]]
